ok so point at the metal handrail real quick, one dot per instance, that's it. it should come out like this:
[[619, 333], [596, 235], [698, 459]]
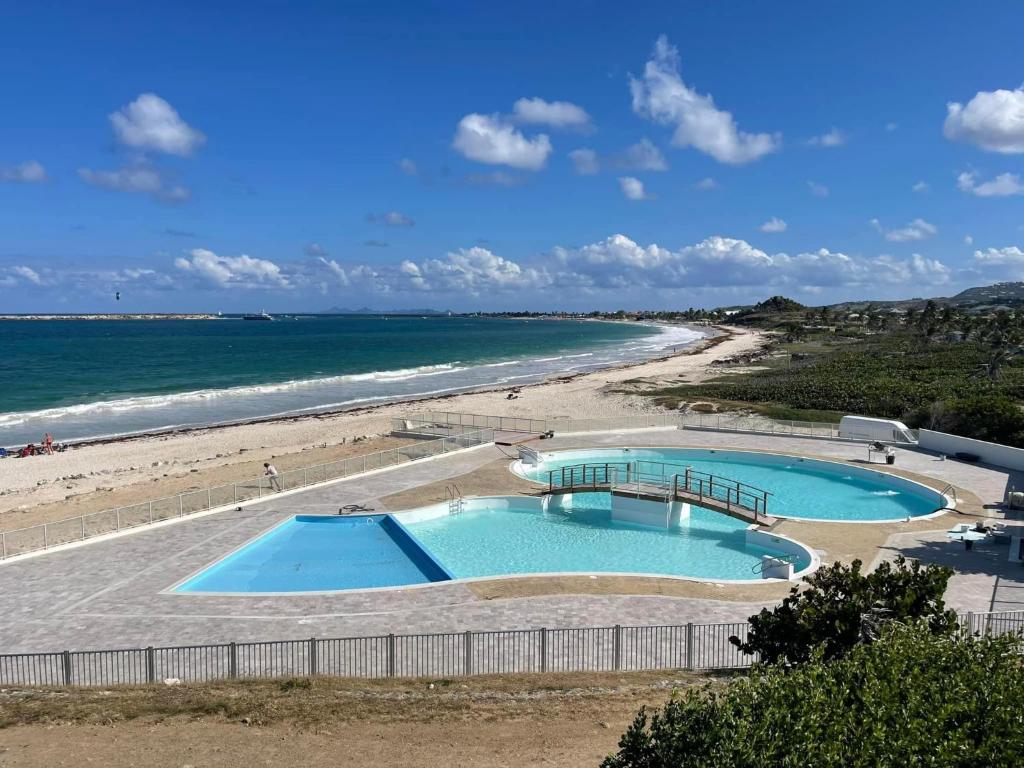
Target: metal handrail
[[111, 520], [623, 475], [949, 490], [771, 560]]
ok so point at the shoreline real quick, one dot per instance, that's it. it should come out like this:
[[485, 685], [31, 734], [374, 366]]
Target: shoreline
[[714, 335], [142, 466]]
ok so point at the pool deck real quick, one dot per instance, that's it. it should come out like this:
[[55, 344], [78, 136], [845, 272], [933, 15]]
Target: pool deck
[[113, 593]]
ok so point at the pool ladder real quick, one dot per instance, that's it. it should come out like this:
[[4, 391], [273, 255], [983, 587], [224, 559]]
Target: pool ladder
[[454, 498]]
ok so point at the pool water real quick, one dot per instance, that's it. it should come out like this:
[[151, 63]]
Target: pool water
[[495, 539], [800, 488], [312, 553]]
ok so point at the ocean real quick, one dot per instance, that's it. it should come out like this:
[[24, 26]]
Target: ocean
[[96, 378]]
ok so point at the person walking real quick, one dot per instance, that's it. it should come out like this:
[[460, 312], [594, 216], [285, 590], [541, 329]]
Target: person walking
[[48, 444], [271, 471]]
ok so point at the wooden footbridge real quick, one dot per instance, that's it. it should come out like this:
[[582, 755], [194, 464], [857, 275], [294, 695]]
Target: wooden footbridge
[[658, 481]]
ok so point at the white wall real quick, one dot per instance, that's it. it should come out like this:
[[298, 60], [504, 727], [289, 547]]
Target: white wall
[[990, 453]]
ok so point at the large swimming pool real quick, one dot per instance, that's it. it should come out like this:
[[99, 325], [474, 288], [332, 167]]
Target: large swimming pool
[[807, 489]]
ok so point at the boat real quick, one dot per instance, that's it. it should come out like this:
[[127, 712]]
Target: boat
[[262, 315]]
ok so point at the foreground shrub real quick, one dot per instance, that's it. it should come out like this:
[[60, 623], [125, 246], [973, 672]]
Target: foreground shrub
[[841, 607], [911, 698]]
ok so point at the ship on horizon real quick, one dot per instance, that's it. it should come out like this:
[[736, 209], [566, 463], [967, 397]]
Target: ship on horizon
[[261, 315]]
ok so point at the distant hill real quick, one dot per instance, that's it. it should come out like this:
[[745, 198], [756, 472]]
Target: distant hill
[[980, 297], [368, 311]]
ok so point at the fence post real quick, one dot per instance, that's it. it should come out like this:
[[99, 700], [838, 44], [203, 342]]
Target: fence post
[[313, 665], [150, 665], [391, 655], [151, 511], [689, 646], [232, 660], [46, 540], [970, 622], [468, 647], [3, 543], [83, 526], [543, 649], [209, 498], [117, 517], [305, 481], [617, 648], [66, 665], [181, 505]]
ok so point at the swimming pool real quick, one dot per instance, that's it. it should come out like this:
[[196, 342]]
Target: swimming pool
[[808, 489], [312, 553], [491, 537]]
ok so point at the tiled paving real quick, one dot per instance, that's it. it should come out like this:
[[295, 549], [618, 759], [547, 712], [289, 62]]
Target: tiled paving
[[112, 593]]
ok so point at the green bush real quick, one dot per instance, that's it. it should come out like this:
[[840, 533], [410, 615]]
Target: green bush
[[911, 698], [841, 607]]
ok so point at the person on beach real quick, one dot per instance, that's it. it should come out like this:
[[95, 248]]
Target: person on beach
[[271, 471], [48, 444]]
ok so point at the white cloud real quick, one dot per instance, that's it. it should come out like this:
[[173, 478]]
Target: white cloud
[[489, 139], [232, 271], [584, 161], [1000, 263], [921, 186], [662, 96], [890, 127], [706, 184], [773, 224], [918, 229], [632, 188], [992, 120], [1003, 185], [968, 240], [149, 122], [619, 263], [557, 114], [315, 249], [834, 138], [816, 189], [408, 167], [474, 271], [391, 219], [335, 270], [28, 274], [29, 172], [140, 178]]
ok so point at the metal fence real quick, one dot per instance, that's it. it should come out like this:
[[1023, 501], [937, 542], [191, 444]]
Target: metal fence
[[452, 654], [445, 422], [22, 540], [592, 649]]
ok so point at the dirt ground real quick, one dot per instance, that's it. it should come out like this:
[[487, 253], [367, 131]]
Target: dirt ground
[[550, 720]]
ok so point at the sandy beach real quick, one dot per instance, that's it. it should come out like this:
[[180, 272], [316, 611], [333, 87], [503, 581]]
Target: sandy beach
[[99, 476]]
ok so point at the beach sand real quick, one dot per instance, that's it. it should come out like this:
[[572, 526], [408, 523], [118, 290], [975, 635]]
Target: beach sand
[[99, 476]]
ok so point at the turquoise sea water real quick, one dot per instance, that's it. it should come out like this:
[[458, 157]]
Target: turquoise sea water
[[80, 379], [800, 488]]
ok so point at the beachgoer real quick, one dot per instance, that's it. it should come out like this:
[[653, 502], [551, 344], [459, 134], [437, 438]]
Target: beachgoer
[[271, 471], [48, 443]]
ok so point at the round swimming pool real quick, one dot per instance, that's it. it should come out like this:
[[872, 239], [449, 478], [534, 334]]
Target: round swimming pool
[[807, 489]]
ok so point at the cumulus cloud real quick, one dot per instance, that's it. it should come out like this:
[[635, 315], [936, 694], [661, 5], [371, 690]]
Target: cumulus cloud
[[336, 271], [556, 114], [661, 95], [618, 262], [816, 189], [992, 120], [706, 184], [774, 224], [27, 274], [968, 240], [408, 167], [1003, 185], [390, 219], [140, 178], [474, 271], [491, 139], [920, 186], [633, 188], [150, 123], [315, 249], [29, 172], [232, 271], [918, 229], [833, 138], [999, 263]]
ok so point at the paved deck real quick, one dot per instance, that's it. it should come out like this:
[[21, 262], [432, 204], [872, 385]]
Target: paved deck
[[112, 593]]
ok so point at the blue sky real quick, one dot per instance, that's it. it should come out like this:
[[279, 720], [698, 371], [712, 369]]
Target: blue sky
[[295, 156]]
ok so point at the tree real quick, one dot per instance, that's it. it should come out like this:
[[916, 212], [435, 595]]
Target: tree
[[842, 607], [912, 698]]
